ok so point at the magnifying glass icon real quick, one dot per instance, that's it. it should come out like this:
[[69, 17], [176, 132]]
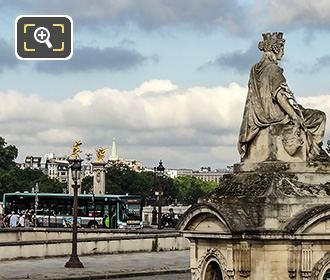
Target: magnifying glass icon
[[41, 35]]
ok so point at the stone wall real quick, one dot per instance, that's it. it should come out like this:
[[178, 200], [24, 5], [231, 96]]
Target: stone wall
[[147, 212], [29, 243], [263, 259]]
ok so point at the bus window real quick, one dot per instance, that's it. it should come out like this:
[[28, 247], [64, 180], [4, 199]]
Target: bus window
[[30, 203], [19, 204], [82, 210], [90, 209], [8, 205], [44, 206], [61, 207], [133, 211], [113, 216], [95, 209], [53, 207], [123, 212], [110, 216]]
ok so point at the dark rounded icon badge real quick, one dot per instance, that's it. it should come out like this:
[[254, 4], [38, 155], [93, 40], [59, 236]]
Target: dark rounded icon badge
[[46, 37]]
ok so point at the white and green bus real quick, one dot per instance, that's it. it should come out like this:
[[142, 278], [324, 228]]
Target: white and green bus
[[94, 211]]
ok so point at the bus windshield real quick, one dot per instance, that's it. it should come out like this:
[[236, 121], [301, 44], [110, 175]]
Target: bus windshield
[[131, 210]]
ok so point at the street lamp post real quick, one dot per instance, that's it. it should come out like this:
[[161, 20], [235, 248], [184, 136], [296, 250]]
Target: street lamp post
[[75, 166], [159, 171]]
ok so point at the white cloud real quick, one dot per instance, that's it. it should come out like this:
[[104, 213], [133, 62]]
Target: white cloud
[[157, 115], [156, 86], [184, 127], [294, 13]]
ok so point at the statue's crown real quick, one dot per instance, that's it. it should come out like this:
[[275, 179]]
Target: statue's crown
[[272, 36], [273, 41]]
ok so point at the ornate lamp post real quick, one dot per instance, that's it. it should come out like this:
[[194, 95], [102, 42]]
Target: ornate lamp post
[[75, 167], [159, 171]]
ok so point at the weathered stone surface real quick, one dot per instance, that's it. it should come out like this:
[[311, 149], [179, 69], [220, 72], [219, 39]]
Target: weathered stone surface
[[274, 125], [270, 219], [99, 177], [266, 200]]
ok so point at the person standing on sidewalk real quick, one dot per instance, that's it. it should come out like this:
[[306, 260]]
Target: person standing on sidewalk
[[2, 224], [21, 222], [13, 220]]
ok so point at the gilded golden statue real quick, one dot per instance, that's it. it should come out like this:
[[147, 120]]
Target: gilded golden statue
[[100, 154], [76, 149]]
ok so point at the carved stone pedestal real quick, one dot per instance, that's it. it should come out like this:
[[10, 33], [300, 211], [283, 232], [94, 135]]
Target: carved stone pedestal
[[265, 221], [278, 142], [99, 177]]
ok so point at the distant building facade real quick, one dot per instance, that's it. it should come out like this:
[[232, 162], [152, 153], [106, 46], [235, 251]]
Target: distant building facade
[[32, 162], [57, 168], [205, 173]]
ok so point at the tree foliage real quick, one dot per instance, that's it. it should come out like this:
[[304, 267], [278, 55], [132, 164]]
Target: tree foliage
[[8, 153], [87, 184], [120, 179], [13, 179], [190, 189]]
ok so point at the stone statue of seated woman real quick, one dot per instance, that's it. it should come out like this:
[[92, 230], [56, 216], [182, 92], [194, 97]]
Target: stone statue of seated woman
[[274, 125]]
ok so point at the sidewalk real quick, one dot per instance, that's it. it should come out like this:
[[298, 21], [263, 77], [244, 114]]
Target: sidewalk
[[98, 266]]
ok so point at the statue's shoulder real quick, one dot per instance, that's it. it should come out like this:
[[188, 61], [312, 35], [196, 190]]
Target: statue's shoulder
[[274, 69], [266, 67]]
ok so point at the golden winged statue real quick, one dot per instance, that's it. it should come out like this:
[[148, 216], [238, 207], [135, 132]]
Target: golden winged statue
[[100, 154], [76, 149]]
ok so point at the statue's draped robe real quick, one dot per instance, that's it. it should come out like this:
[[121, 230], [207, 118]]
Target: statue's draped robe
[[262, 108]]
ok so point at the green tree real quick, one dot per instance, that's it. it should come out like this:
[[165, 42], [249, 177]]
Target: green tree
[[190, 189], [120, 179], [13, 179], [8, 153], [87, 184], [50, 185]]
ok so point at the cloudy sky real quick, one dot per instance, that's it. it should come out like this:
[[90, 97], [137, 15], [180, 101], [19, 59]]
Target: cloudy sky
[[167, 78]]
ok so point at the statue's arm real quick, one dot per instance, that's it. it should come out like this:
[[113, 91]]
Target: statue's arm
[[285, 97], [287, 107]]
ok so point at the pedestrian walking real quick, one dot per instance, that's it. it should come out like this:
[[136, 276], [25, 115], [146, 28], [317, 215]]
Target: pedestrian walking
[[6, 220], [13, 220], [27, 219], [21, 222], [2, 224]]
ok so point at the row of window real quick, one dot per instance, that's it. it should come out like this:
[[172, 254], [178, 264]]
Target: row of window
[[54, 172]]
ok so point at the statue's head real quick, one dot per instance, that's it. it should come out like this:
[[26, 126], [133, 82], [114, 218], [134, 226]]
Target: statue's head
[[272, 43]]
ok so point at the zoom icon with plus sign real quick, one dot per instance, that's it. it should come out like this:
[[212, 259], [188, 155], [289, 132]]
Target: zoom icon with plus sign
[[46, 37]]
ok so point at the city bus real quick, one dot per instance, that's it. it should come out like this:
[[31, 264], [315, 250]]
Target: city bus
[[94, 211]]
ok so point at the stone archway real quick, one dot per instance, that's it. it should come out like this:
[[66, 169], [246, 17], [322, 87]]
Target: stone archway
[[326, 275], [212, 271], [211, 264], [321, 268]]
